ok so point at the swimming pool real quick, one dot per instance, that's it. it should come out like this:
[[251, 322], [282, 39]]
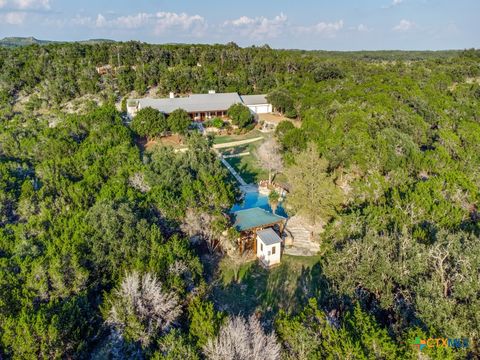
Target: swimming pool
[[254, 199]]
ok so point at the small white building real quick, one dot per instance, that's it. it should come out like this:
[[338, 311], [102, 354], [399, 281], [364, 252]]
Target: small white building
[[269, 247]]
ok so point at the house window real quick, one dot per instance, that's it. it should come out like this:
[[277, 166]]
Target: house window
[[261, 247], [273, 250]]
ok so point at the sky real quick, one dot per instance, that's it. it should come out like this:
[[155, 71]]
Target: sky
[[300, 24]]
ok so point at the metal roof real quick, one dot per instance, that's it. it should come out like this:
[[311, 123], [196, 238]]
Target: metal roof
[[269, 236], [193, 103], [253, 218], [254, 99]]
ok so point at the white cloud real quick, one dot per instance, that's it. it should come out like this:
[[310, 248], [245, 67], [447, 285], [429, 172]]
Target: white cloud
[[160, 22], [32, 4], [393, 4], [258, 28], [326, 29], [167, 20], [18, 10], [25, 4], [82, 20], [101, 21], [133, 21], [363, 28], [404, 25], [13, 18]]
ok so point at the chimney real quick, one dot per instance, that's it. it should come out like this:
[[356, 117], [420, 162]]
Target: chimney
[[211, 91], [172, 95]]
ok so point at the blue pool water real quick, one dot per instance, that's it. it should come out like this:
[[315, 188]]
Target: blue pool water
[[255, 199]]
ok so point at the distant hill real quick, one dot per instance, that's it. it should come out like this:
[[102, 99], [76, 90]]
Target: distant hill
[[25, 41], [22, 41], [96, 41]]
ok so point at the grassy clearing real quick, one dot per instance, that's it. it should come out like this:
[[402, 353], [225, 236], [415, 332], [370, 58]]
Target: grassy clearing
[[286, 286]]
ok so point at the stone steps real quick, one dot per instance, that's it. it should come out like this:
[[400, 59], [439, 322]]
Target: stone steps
[[295, 251], [302, 245]]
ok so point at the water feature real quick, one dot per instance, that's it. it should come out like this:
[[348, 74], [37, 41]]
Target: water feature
[[252, 199]]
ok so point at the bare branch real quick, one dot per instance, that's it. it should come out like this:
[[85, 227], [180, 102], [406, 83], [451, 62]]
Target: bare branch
[[243, 340], [141, 308]]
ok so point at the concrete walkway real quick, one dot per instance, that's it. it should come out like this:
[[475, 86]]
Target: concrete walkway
[[236, 143]]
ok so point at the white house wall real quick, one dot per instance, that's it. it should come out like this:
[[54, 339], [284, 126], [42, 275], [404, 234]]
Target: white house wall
[[261, 108], [132, 111], [263, 254]]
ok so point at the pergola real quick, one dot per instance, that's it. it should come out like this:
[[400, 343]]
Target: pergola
[[249, 221]]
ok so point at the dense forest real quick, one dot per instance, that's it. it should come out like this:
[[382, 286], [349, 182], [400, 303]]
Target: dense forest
[[96, 251]]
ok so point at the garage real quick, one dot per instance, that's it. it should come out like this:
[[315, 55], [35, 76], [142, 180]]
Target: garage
[[261, 108], [258, 104]]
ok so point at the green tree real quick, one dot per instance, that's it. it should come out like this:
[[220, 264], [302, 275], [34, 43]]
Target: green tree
[[314, 334], [282, 101], [313, 191], [149, 122], [179, 121], [175, 345], [205, 322], [126, 79], [273, 200], [327, 72], [240, 115], [283, 128]]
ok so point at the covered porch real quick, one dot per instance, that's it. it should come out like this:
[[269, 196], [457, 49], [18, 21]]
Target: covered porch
[[207, 115]]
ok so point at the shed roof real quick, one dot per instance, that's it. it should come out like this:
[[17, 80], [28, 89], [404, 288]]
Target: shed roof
[[254, 99], [269, 236], [193, 103], [253, 218]]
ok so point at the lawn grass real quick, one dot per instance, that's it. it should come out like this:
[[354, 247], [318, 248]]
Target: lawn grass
[[229, 138], [248, 168], [286, 286]]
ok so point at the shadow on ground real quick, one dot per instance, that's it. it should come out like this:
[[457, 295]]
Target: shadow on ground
[[287, 287]]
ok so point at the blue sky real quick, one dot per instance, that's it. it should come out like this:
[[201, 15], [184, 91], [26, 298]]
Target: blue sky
[[305, 24]]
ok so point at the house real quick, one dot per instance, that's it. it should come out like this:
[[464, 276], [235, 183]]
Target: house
[[200, 106], [269, 247]]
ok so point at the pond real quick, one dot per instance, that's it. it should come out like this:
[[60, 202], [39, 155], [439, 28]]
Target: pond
[[254, 199]]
